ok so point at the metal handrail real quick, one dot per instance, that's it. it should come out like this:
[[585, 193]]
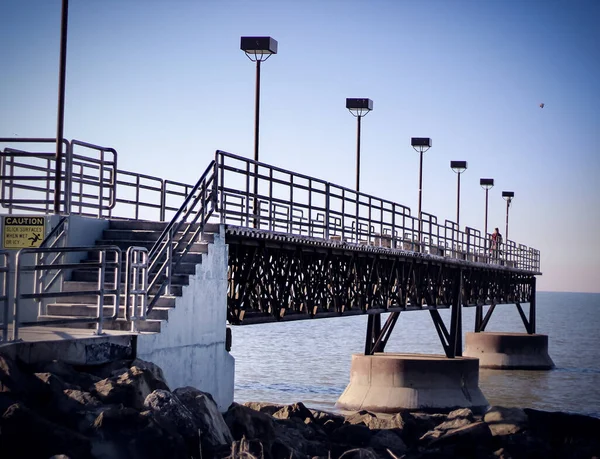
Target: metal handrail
[[44, 281], [4, 273], [102, 265], [294, 203], [184, 229], [136, 285], [346, 216]]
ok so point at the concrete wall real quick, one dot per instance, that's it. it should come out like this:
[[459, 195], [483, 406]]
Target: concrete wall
[[191, 346]]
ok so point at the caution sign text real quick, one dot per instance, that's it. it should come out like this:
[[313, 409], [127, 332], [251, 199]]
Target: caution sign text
[[19, 232]]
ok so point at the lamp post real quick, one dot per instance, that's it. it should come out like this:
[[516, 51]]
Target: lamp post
[[459, 167], [420, 145], [487, 184], [508, 196], [61, 104], [258, 49], [358, 108]]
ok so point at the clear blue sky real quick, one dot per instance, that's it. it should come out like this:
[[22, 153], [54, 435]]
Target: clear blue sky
[[165, 83]]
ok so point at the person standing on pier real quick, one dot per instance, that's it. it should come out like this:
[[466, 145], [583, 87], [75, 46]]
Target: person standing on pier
[[496, 243]]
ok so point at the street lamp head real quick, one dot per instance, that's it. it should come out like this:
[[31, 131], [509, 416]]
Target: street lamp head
[[359, 107], [486, 183], [458, 166], [258, 48], [420, 144], [508, 195]]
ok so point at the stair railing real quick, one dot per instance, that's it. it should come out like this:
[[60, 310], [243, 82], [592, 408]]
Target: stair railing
[[184, 230], [46, 280], [4, 273], [109, 261], [136, 285]]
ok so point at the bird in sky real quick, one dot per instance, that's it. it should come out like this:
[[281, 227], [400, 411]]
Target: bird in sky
[[542, 105]]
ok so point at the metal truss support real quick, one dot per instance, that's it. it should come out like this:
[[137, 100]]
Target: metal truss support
[[376, 336], [451, 339], [529, 322]]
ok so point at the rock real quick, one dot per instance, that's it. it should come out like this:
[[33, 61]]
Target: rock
[[477, 434], [569, 435], [85, 399], [152, 368], [387, 440], [299, 439], [264, 407], [24, 433], [462, 413], [360, 453], [505, 421], [297, 410], [352, 434], [214, 432], [129, 388], [68, 374], [244, 422], [328, 421], [124, 433], [21, 385], [372, 421], [172, 415]]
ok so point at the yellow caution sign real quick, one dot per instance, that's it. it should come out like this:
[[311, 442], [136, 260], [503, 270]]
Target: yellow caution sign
[[19, 232]]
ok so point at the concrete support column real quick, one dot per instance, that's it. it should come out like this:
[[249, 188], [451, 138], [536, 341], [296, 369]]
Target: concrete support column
[[503, 350], [389, 383]]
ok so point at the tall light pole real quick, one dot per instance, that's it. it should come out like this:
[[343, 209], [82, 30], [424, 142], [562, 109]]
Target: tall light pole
[[459, 167], [487, 184], [508, 196], [61, 104], [420, 145], [258, 49], [358, 108]]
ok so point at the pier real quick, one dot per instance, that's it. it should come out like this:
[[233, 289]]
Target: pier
[[170, 263]]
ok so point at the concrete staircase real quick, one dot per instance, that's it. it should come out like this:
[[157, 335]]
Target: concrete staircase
[[124, 234]]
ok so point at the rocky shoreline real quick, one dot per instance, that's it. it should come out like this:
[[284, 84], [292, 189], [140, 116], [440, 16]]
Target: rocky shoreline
[[126, 410]]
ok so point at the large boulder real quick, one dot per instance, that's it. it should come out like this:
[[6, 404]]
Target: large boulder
[[264, 407], [24, 433], [20, 385], [297, 410], [505, 421], [214, 432], [152, 368], [125, 433], [328, 421], [244, 422], [80, 379], [129, 388], [172, 415], [472, 440], [386, 441], [570, 435]]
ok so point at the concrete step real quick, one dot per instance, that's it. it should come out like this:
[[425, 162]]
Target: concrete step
[[85, 275], [147, 235], [197, 247], [137, 224], [152, 326], [77, 286], [89, 310], [210, 227], [165, 301]]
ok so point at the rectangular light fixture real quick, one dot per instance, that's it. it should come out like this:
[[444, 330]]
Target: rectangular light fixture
[[420, 141], [259, 45], [359, 104]]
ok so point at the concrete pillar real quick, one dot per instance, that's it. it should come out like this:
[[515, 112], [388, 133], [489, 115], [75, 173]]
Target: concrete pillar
[[389, 383], [503, 350]]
